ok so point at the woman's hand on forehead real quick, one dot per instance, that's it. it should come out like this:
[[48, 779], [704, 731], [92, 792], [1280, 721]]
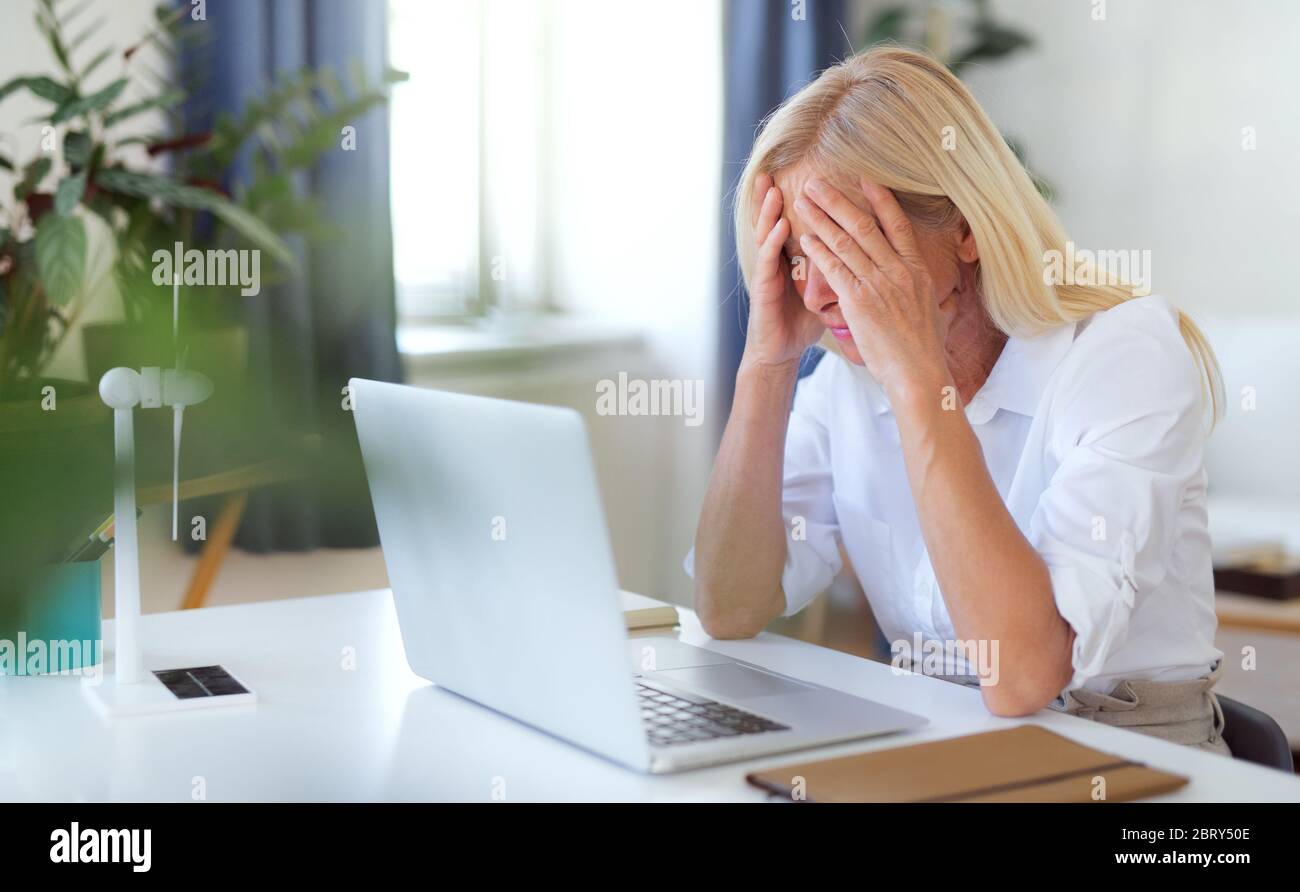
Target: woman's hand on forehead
[[874, 264]]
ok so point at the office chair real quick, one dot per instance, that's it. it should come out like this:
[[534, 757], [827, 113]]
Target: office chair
[[1254, 736]]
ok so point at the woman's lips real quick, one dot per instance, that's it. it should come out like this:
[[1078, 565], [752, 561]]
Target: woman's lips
[[841, 334]]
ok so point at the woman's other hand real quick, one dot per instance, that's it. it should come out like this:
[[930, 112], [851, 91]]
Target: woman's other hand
[[780, 327], [874, 263]]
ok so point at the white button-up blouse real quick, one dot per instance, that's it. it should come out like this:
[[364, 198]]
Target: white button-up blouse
[[1093, 434]]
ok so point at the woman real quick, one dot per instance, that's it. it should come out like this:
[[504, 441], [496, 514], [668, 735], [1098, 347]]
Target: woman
[[1005, 455]]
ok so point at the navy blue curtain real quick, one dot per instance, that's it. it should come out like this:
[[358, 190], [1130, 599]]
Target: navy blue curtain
[[769, 54], [308, 334]]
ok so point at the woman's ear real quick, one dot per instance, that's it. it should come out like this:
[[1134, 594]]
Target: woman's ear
[[967, 250]]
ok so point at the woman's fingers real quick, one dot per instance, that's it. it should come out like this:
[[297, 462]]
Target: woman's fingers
[[832, 236], [897, 227], [769, 213], [859, 225], [769, 250], [762, 186], [843, 280]]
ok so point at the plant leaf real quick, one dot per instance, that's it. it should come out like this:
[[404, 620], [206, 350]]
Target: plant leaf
[[86, 33], [49, 26], [33, 173], [165, 100], [68, 17], [49, 89], [255, 231], [287, 110], [76, 148], [87, 104], [61, 256], [69, 193], [992, 42], [887, 25], [165, 189], [94, 63], [44, 87], [170, 192]]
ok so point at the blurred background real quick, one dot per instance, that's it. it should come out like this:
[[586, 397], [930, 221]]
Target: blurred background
[[535, 199]]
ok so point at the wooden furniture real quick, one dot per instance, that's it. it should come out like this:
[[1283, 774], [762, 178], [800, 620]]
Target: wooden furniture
[[1248, 612], [235, 485]]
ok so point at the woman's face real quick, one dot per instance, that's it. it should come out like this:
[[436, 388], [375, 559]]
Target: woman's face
[[944, 254]]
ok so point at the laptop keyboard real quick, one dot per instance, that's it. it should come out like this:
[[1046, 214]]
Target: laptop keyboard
[[672, 720]]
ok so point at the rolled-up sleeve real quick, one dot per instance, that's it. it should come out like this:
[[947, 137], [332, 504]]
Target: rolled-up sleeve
[[1128, 441], [812, 558]]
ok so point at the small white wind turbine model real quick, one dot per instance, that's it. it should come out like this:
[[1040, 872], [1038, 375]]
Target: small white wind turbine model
[[129, 690]]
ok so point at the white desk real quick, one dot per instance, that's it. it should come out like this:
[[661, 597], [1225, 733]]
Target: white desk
[[378, 732]]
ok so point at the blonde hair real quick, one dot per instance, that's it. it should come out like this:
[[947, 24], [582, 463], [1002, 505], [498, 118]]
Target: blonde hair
[[903, 120]]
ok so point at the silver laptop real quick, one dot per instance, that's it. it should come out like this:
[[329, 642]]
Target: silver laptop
[[504, 584]]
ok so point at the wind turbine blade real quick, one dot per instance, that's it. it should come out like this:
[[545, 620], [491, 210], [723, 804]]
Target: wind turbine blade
[[178, 413], [176, 314]]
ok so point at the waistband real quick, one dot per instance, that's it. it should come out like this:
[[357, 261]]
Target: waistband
[[1185, 712]]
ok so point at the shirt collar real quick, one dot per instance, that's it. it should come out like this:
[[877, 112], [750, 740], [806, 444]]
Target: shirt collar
[[1016, 382], [1021, 373]]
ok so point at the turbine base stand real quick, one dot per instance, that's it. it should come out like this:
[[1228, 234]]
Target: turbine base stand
[[167, 691]]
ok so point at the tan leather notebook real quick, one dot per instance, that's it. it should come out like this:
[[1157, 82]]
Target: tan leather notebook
[[1022, 764], [641, 613], [651, 618]]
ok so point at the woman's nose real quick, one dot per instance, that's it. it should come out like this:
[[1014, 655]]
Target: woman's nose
[[817, 292]]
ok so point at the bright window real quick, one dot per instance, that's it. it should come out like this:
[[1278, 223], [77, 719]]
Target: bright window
[[469, 135]]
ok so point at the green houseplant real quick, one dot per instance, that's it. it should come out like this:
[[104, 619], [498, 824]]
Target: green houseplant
[[112, 186], [44, 243]]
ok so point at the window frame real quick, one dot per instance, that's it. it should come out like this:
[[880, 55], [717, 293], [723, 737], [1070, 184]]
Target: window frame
[[427, 303]]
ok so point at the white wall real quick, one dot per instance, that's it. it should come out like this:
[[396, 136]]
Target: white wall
[[1138, 120], [637, 138]]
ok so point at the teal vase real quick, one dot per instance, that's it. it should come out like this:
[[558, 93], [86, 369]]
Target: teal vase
[[57, 626]]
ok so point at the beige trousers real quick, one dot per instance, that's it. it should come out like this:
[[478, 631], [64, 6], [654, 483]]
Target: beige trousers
[[1185, 712]]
